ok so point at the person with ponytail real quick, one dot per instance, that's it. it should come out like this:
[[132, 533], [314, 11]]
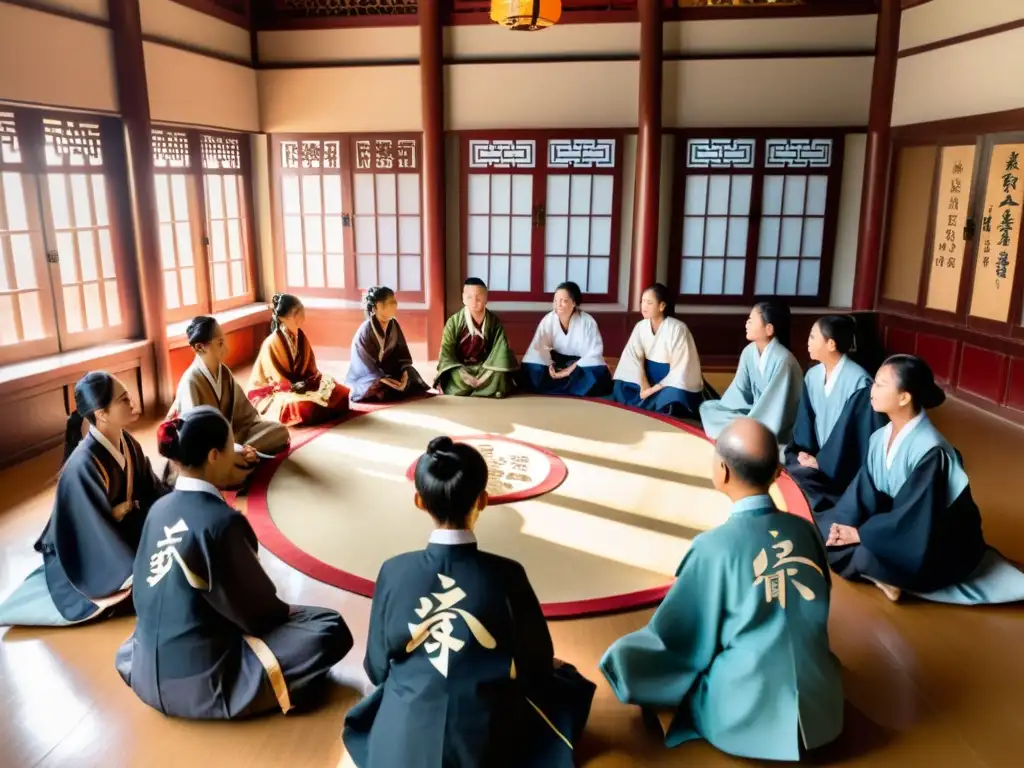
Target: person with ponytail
[[908, 521], [104, 493], [380, 367], [458, 646], [208, 381], [213, 641], [768, 382], [835, 419], [285, 384]]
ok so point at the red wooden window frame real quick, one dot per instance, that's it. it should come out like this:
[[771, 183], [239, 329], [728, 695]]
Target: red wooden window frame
[[540, 173]]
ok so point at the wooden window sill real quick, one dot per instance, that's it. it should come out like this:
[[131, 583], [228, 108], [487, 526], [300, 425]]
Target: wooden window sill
[[230, 320], [68, 366]]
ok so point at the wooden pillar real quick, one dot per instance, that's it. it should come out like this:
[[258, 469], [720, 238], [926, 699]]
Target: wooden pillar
[[133, 99], [648, 154], [432, 86], [877, 156]]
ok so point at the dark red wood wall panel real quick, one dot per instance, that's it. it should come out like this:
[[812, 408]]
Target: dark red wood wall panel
[[940, 353], [1015, 385], [983, 372]]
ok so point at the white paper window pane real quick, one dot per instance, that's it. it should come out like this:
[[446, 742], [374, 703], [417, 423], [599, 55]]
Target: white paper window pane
[[476, 266], [83, 213], [387, 236], [314, 237], [68, 266], [737, 245], [479, 234], [32, 313], [501, 194], [793, 200], [558, 195], [579, 235], [106, 259], [809, 277], [292, 233], [220, 281], [500, 234], [334, 238], [739, 195], [735, 269], [817, 190], [364, 191], [597, 276], [8, 330], [231, 196], [311, 194], [718, 196], [237, 281], [171, 290], [556, 236], [578, 271], [579, 197], [295, 268], [87, 254], [714, 237], [522, 195], [409, 273], [764, 278], [409, 234], [366, 234], [768, 244], [479, 193], [167, 245], [72, 309], [58, 202], [785, 283], [771, 200], [499, 273], [712, 281], [693, 236], [696, 195], [215, 196], [554, 272], [386, 193], [113, 309], [335, 271], [314, 272], [601, 196], [408, 193], [690, 280], [366, 271], [601, 236], [290, 194], [814, 231], [99, 201], [522, 232], [178, 194], [790, 242], [332, 194], [519, 274], [388, 271], [163, 201]]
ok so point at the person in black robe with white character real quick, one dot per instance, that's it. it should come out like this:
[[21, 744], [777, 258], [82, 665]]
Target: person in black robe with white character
[[105, 490], [213, 641], [458, 647]]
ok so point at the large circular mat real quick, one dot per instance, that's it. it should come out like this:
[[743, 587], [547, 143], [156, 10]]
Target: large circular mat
[[598, 502]]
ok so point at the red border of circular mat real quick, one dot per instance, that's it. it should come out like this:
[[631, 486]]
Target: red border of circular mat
[[276, 542]]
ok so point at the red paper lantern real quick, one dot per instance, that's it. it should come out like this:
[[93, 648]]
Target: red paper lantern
[[526, 15]]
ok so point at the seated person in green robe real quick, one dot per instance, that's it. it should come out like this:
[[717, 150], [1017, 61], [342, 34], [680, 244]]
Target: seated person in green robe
[[475, 357], [738, 652]]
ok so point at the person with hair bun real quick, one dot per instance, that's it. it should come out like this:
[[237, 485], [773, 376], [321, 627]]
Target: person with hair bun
[[768, 382], [213, 641], [908, 522], [458, 646], [285, 384], [208, 381], [835, 419], [380, 367], [104, 492]]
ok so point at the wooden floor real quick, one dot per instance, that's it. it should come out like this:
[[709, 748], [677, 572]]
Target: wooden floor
[[926, 685]]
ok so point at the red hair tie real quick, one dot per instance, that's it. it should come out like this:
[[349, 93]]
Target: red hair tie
[[167, 432]]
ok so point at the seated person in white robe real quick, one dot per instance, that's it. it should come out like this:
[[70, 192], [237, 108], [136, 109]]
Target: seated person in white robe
[[105, 490], [458, 647], [738, 652], [659, 369], [566, 356], [213, 641], [908, 522], [768, 382]]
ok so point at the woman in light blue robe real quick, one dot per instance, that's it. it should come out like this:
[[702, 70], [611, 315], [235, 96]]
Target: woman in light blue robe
[[768, 381], [908, 522]]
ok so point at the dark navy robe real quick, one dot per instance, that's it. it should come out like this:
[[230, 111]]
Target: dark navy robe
[[380, 354]]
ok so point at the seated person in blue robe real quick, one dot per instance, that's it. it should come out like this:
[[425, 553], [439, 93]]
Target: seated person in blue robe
[[458, 647], [835, 420], [659, 369], [908, 522], [380, 367], [566, 356], [105, 490], [213, 641], [738, 652], [768, 382]]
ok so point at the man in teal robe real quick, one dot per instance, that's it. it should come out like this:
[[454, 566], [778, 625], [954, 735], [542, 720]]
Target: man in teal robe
[[738, 651]]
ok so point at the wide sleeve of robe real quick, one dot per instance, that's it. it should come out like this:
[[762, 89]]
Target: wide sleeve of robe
[[500, 358], [249, 427], [533, 650], [631, 363], [805, 438], [777, 404], [539, 351], [448, 357], [364, 368], [591, 345], [845, 451], [148, 487], [376, 662]]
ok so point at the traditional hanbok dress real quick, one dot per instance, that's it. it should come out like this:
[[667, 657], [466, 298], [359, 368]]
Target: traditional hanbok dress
[[483, 353], [834, 423], [284, 361], [104, 494], [739, 648], [463, 663], [767, 387], [200, 387], [668, 357], [381, 354], [581, 344], [213, 641], [919, 527]]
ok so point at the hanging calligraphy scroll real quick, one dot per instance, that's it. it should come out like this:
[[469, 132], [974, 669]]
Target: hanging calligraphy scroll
[[951, 211], [999, 234]]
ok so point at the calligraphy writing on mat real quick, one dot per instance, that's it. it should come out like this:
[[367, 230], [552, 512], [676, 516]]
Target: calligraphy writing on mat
[[503, 470], [784, 569], [163, 560], [435, 631]]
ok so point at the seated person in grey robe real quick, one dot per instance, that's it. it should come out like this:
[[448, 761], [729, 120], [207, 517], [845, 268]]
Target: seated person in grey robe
[[104, 493], [458, 647], [738, 652], [213, 641]]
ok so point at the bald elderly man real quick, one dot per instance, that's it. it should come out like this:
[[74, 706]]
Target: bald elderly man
[[738, 651]]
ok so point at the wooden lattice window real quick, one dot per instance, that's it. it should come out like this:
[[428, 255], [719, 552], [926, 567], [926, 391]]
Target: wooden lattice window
[[226, 186]]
